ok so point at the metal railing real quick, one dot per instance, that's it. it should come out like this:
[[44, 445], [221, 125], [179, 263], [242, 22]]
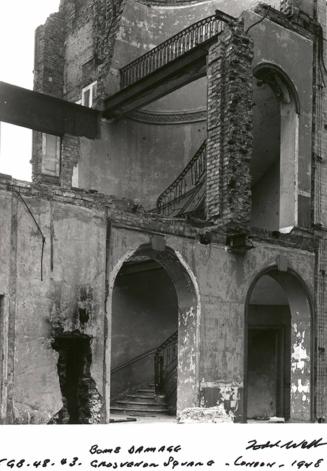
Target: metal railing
[[133, 360], [187, 180], [174, 47], [165, 371], [166, 350]]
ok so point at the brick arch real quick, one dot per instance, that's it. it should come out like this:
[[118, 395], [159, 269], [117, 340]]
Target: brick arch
[[301, 341], [188, 300]]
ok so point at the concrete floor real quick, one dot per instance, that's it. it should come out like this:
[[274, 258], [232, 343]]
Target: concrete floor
[[119, 418]]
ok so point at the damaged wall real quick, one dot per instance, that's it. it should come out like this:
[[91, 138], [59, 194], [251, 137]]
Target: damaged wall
[[68, 306], [69, 299], [95, 50], [223, 280]]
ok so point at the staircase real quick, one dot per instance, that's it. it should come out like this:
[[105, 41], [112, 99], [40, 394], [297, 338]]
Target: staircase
[[186, 194], [154, 399], [141, 402]]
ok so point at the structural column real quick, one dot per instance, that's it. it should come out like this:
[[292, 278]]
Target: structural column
[[230, 122]]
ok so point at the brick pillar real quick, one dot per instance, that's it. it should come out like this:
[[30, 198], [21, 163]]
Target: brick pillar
[[230, 122], [319, 213]]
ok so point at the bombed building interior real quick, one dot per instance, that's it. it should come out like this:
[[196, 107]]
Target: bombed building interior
[[168, 259]]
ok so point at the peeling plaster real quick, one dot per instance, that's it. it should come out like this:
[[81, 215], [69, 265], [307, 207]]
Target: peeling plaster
[[186, 317], [301, 388], [299, 354]]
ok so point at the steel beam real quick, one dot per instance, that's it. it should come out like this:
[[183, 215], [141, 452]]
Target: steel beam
[[46, 113]]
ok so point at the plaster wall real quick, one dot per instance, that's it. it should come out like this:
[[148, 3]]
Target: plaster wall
[[265, 161], [136, 160], [265, 200]]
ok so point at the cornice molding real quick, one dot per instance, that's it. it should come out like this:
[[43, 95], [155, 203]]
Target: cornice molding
[[169, 3], [169, 117]]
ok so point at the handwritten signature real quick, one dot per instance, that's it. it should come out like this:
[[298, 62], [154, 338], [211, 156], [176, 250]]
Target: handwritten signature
[[254, 445], [290, 445]]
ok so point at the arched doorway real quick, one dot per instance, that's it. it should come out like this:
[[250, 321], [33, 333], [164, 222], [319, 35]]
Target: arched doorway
[[274, 163], [278, 373], [154, 335]]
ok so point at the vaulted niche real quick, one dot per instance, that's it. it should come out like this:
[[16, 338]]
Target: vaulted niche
[[274, 165]]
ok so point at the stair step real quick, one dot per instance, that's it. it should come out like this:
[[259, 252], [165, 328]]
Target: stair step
[[144, 397], [146, 391], [148, 411], [139, 405]]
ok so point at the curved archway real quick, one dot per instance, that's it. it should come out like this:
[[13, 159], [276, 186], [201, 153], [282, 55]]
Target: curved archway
[[274, 165], [154, 334], [278, 348]]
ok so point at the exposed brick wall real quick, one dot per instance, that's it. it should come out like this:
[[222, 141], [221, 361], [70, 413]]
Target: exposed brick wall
[[230, 122], [48, 74], [70, 148], [49, 56], [76, 13], [107, 15]]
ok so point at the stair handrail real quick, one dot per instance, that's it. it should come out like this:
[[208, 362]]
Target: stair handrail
[[196, 167], [143, 355], [175, 46], [170, 340], [165, 362]]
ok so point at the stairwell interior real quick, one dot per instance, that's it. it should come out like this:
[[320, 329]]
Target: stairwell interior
[[144, 342]]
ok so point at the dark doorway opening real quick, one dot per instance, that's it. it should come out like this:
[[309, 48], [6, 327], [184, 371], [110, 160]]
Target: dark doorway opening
[[268, 372]]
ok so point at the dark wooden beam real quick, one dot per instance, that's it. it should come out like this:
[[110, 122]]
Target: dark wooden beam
[[45, 113], [168, 78]]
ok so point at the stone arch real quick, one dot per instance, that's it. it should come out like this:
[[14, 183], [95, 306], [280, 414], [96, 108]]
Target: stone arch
[[274, 167], [188, 301], [300, 361]]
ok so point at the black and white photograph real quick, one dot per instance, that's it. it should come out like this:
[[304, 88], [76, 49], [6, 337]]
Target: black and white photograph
[[163, 209]]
